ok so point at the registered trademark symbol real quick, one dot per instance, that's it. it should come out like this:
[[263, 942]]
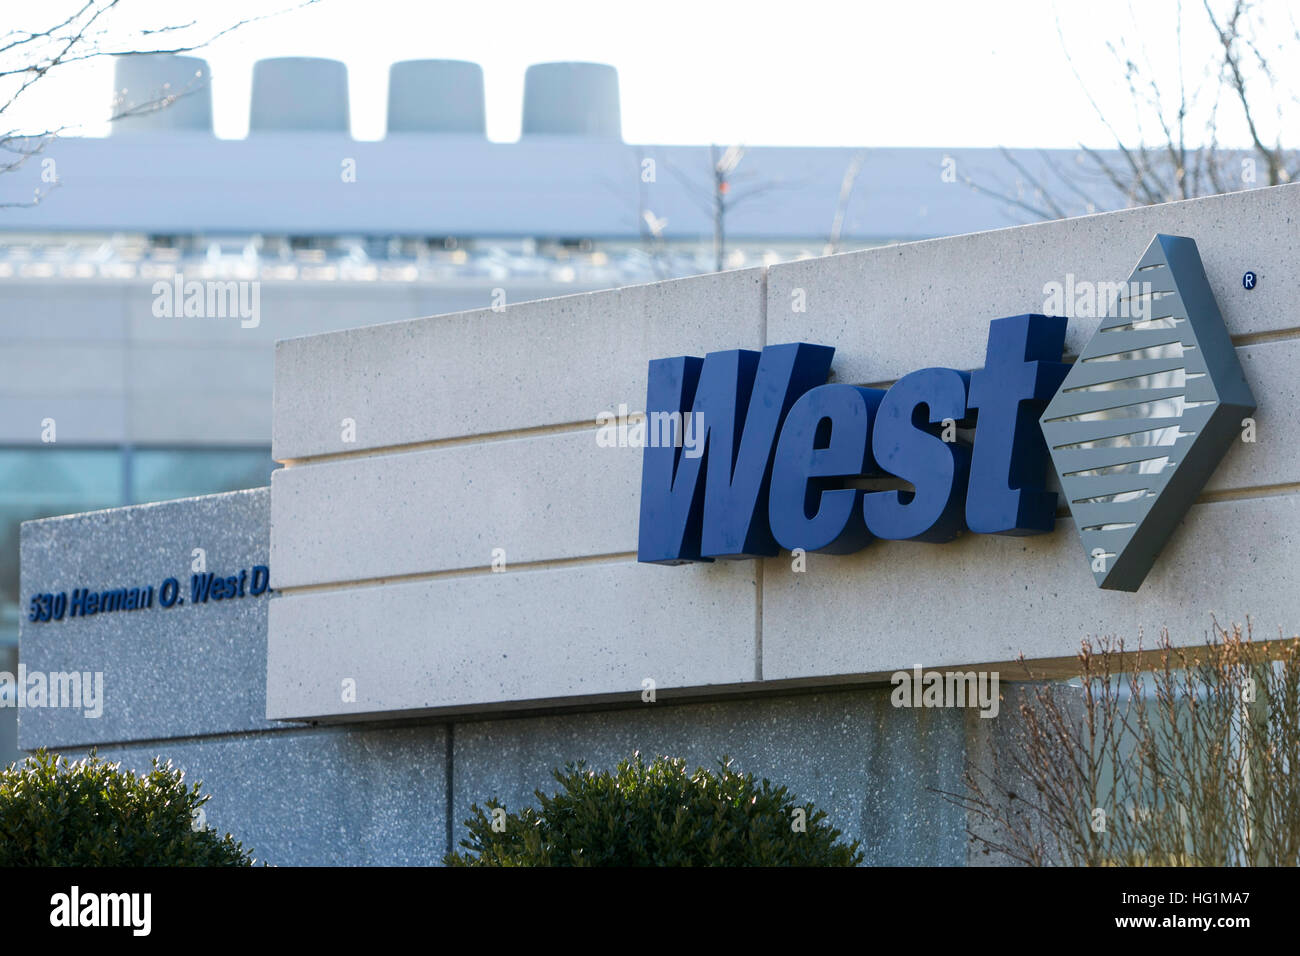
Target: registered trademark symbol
[[1248, 280]]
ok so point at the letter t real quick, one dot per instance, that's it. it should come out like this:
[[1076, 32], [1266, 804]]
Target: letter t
[[1022, 371]]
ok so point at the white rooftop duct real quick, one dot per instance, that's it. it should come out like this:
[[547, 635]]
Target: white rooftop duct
[[572, 99], [297, 93], [161, 91], [436, 96]]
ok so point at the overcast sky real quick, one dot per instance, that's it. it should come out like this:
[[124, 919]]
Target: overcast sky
[[912, 73]]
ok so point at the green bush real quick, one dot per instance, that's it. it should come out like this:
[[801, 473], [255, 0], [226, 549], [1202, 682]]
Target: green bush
[[655, 815], [93, 813]]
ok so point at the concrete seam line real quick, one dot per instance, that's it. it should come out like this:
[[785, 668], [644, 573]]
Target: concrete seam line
[[483, 439], [540, 565]]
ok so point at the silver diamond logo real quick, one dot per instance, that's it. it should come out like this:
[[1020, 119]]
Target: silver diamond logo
[[1146, 413]]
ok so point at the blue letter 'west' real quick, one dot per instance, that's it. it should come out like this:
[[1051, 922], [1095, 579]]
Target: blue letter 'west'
[[715, 506]]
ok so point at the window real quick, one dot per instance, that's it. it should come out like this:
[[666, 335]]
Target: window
[[40, 483], [161, 474]]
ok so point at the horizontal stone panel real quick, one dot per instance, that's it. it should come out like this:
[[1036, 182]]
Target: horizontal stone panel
[[556, 361], [537, 498], [184, 670], [482, 641], [989, 598], [888, 311], [558, 496]]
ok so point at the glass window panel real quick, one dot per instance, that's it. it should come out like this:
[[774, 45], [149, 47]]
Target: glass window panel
[[42, 482], [161, 474]]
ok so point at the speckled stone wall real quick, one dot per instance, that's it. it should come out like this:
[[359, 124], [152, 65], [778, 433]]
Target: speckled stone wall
[[361, 794], [187, 684], [477, 449], [337, 796], [192, 669]]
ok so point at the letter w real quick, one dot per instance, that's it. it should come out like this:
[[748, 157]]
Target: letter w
[[715, 505]]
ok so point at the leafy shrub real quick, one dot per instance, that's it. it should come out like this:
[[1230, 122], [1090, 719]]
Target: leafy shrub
[[93, 813], [655, 815]]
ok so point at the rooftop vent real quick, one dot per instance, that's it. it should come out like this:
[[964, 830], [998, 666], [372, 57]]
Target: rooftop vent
[[299, 93], [572, 99], [436, 96], [161, 91]]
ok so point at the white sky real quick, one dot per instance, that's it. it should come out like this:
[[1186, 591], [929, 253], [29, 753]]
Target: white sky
[[796, 72]]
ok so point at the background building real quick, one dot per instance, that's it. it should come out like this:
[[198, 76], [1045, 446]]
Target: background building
[[104, 401]]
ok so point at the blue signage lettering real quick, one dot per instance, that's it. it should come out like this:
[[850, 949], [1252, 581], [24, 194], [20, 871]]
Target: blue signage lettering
[[203, 588], [715, 505], [908, 444], [825, 440], [1022, 371], [782, 449]]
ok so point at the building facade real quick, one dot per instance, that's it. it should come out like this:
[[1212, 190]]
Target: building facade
[[455, 601], [121, 387]]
